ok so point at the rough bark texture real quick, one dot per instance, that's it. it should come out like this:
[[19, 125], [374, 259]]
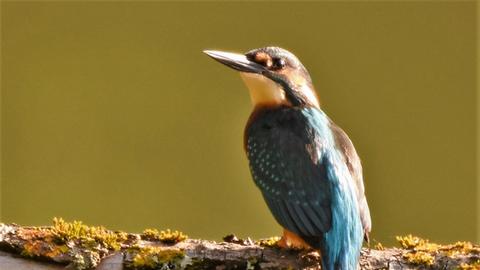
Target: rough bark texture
[[61, 246]]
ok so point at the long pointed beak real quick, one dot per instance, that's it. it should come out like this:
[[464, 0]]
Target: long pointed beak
[[236, 61]]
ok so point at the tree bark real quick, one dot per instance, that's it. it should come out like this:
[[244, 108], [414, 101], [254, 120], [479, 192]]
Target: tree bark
[[41, 248]]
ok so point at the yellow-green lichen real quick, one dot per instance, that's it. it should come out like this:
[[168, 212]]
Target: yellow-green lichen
[[86, 236], [269, 242], [69, 242], [378, 246], [462, 248], [410, 241], [470, 266], [156, 258], [168, 236], [419, 258], [421, 252], [83, 247]]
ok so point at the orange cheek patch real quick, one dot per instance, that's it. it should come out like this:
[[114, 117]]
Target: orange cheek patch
[[264, 58], [294, 77]]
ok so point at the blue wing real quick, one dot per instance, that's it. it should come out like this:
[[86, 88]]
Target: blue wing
[[287, 163], [304, 174], [350, 157]]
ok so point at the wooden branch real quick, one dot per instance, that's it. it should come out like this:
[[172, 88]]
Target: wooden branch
[[77, 246]]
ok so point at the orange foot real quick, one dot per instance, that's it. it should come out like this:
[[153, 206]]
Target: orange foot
[[292, 241]]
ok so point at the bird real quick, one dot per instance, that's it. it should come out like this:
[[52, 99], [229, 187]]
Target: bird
[[305, 166]]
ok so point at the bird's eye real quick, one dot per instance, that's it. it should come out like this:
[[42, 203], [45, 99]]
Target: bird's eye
[[278, 63]]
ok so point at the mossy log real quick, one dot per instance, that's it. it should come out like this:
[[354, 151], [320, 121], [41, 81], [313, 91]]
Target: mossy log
[[76, 246]]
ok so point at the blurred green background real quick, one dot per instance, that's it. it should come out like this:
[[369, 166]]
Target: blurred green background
[[111, 113]]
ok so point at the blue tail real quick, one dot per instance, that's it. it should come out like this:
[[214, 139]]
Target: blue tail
[[340, 247], [336, 256]]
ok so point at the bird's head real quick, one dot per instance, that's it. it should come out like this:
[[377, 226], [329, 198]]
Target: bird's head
[[274, 76]]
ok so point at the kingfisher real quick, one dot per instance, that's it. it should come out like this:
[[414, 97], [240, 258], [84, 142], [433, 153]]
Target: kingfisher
[[305, 166]]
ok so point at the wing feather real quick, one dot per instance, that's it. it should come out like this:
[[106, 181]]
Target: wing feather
[[285, 159], [354, 165], [314, 217], [283, 217]]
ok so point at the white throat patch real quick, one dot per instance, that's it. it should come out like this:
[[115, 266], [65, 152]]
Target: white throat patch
[[263, 90]]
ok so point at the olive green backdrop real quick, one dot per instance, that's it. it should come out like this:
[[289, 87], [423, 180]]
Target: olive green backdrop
[[111, 113]]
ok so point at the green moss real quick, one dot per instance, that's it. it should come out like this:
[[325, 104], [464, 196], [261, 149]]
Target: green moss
[[167, 236], [145, 258], [269, 242], [86, 236], [378, 246], [85, 246], [421, 252], [419, 258], [410, 241]]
